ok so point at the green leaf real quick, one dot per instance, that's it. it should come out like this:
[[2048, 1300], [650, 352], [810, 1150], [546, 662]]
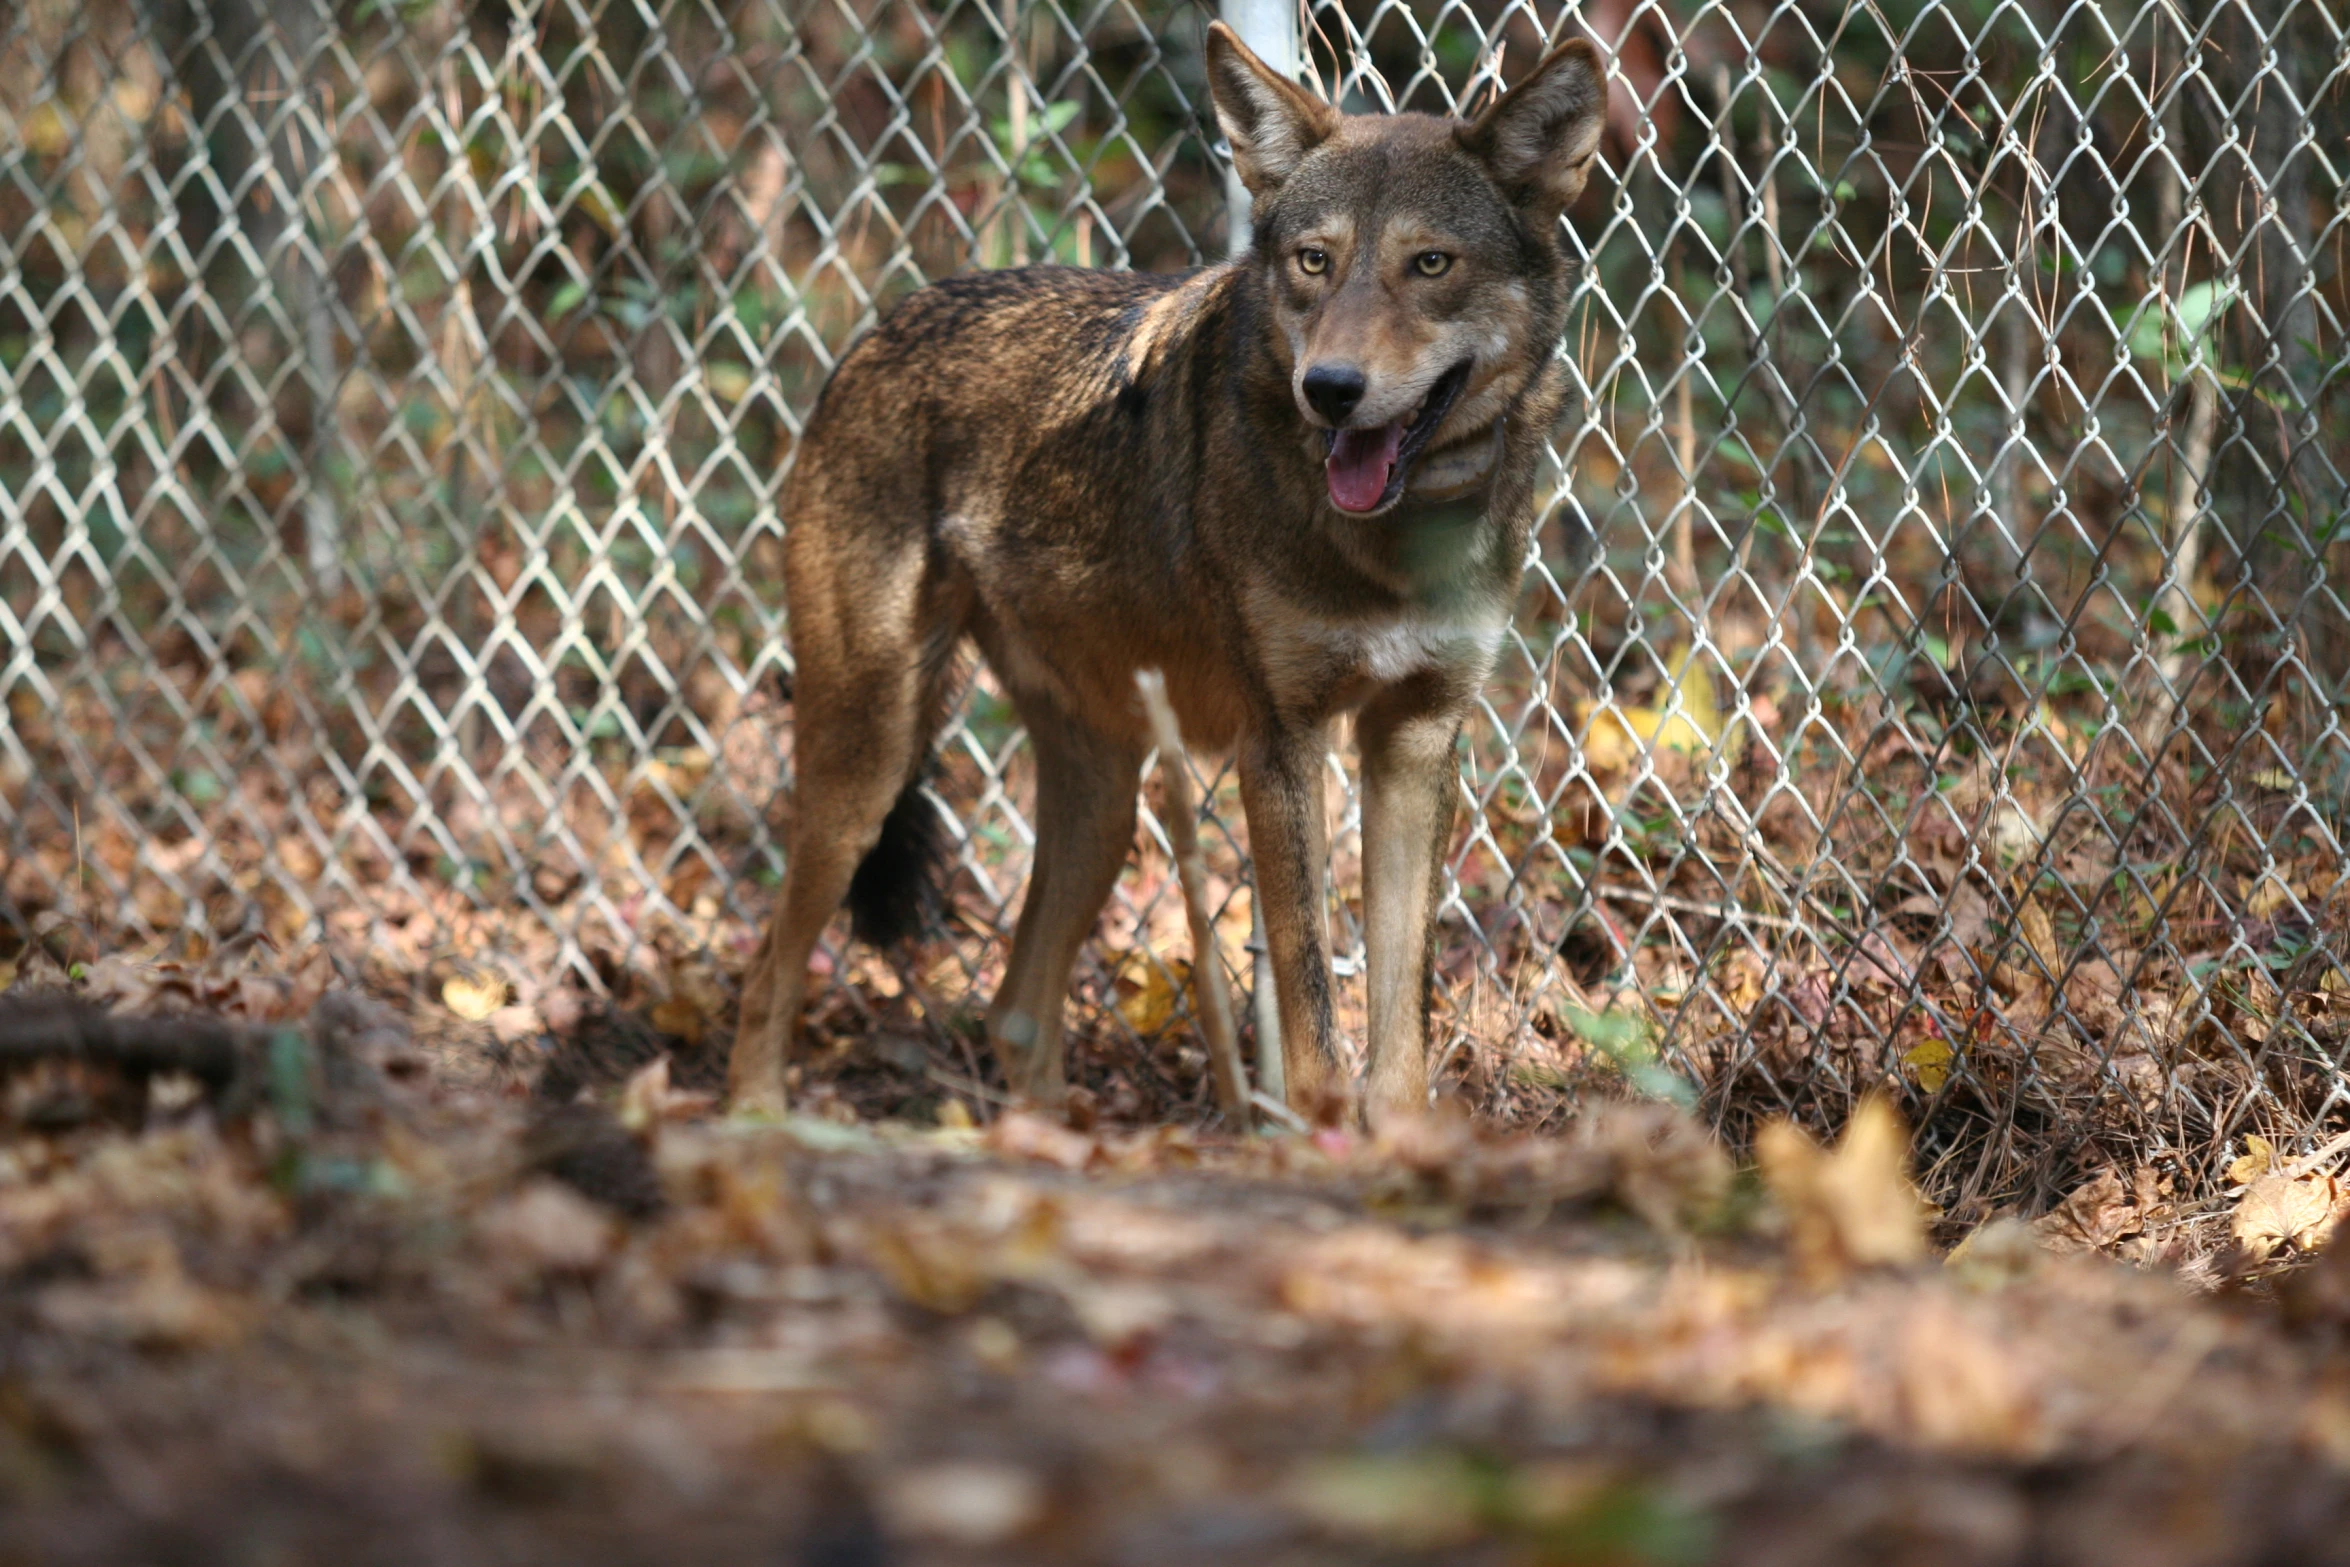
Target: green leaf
[[2197, 309], [1623, 1037], [2199, 305]]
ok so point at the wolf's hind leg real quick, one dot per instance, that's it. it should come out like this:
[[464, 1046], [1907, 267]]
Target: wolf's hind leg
[[871, 675], [1085, 803], [839, 801]]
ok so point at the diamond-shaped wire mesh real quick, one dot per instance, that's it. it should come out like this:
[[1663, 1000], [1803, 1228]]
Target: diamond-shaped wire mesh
[[1931, 677]]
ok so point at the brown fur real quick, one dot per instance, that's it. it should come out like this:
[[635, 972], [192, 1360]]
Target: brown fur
[[1092, 473]]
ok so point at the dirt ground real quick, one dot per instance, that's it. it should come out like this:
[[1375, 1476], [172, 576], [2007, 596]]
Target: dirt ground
[[288, 1278]]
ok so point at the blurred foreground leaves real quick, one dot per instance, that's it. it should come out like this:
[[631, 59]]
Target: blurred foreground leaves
[[563, 1301]]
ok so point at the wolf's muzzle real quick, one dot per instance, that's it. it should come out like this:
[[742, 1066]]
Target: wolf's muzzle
[[1366, 469], [1333, 390]]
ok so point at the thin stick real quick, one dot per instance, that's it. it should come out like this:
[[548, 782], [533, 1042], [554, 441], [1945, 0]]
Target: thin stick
[[1279, 1113], [2308, 1162], [1207, 972]]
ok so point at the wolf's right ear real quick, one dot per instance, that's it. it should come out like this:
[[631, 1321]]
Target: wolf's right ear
[[1271, 123], [1542, 137]]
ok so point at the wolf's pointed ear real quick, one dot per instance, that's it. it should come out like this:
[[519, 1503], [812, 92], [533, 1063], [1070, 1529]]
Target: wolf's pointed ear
[[1541, 138], [1272, 124]]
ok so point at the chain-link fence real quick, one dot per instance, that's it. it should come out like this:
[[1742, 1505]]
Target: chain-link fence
[[1931, 677]]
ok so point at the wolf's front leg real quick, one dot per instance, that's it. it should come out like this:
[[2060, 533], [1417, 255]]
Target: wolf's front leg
[[1409, 784], [1281, 790]]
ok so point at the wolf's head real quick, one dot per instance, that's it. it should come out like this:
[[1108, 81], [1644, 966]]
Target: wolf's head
[[1413, 262]]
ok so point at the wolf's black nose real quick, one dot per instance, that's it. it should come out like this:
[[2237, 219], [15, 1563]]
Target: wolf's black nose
[[1334, 390]]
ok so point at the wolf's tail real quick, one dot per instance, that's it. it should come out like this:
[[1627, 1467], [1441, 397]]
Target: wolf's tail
[[899, 890]]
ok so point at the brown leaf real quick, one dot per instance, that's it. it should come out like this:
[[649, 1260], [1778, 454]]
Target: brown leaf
[[125, 984], [648, 1098], [1850, 1208], [1961, 1387], [680, 1019], [1024, 1135], [2093, 1217], [972, 1502], [932, 1267], [2277, 1211], [547, 1227]]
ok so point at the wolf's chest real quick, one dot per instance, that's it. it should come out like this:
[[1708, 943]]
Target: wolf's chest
[[1398, 650], [1338, 663]]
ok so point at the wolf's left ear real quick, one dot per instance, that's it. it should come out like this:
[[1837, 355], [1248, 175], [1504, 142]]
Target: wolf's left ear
[[1271, 123], [1542, 137]]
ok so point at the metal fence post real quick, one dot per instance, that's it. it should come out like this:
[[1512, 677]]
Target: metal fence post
[[1270, 28]]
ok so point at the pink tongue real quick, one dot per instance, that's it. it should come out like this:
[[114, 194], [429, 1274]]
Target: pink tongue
[[1359, 463]]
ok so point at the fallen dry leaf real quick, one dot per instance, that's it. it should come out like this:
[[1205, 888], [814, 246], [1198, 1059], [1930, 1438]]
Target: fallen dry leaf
[[1929, 1062], [680, 1019], [1024, 1135], [968, 1502], [546, 1227], [1615, 736], [2280, 1211], [1408, 1501], [1852, 1207], [1149, 990], [1962, 1388], [473, 994], [2260, 1157], [2091, 1218]]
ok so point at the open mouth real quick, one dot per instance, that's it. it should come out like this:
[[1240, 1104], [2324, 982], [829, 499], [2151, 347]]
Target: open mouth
[[1367, 468]]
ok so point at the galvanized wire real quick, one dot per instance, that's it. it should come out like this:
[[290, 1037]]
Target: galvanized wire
[[1930, 676]]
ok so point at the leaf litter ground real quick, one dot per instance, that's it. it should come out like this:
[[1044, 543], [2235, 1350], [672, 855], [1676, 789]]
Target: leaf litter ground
[[290, 1277]]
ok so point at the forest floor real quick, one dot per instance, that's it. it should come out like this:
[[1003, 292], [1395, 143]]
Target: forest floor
[[289, 1278]]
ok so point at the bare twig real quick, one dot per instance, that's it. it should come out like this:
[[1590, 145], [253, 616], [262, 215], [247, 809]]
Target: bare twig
[[1207, 973], [2310, 1161], [1274, 1110]]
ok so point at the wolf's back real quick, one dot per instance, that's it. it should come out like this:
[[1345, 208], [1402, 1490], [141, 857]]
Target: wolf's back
[[991, 334]]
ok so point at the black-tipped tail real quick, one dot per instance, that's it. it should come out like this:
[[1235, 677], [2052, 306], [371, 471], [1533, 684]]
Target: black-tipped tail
[[899, 891]]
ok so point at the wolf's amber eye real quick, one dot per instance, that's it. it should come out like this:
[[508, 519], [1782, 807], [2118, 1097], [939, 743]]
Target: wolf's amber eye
[[1313, 261], [1431, 263]]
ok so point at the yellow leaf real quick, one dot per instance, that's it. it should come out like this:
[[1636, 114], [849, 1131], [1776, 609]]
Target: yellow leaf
[[1929, 1062], [644, 1095], [46, 130], [1850, 1208], [680, 1019], [2260, 1157], [473, 994], [1150, 1004], [730, 381], [1688, 719], [2040, 931], [2267, 899], [2276, 1212], [1412, 1501]]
